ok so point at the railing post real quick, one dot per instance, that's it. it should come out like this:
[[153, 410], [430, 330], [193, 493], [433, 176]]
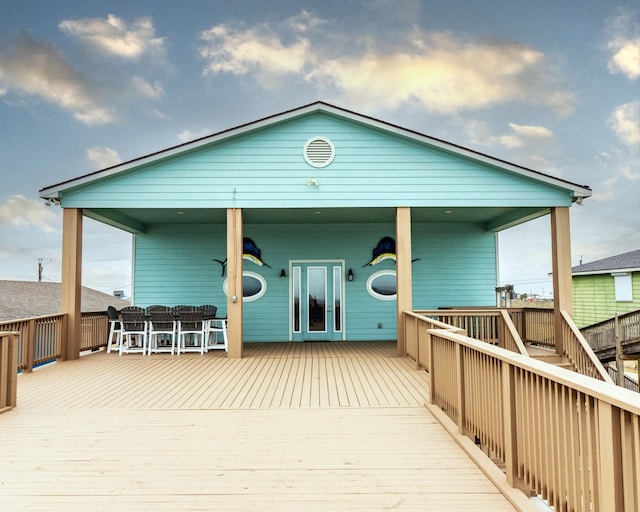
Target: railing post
[[416, 334], [29, 340], [609, 457], [510, 424], [619, 353], [430, 368], [8, 364], [460, 387]]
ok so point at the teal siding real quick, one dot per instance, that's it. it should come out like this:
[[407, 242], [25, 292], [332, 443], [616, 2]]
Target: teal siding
[[456, 266], [266, 169]]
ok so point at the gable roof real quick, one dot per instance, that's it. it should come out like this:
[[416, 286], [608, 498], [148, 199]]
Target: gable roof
[[629, 261], [578, 191], [25, 299]]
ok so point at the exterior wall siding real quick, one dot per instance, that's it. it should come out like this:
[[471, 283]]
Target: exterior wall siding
[[456, 266], [594, 298], [266, 169]]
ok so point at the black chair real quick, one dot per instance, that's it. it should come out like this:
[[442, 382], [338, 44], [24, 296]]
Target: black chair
[[214, 326], [191, 325], [115, 327], [162, 329], [134, 327]]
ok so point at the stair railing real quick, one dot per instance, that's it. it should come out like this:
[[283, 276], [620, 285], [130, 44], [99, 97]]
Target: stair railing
[[576, 349]]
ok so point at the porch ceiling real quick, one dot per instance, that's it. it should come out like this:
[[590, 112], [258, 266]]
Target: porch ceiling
[[135, 219]]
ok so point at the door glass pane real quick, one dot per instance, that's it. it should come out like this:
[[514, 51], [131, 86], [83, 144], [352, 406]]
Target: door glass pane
[[337, 298], [317, 290], [296, 299]]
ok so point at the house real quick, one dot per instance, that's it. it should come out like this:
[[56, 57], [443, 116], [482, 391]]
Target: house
[[605, 287], [24, 299], [317, 223]]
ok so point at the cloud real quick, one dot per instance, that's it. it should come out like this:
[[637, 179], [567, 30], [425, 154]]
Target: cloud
[[625, 122], [522, 135], [439, 71], [20, 212], [154, 91], [258, 51], [188, 135], [36, 68], [534, 132], [624, 44], [102, 157], [114, 36]]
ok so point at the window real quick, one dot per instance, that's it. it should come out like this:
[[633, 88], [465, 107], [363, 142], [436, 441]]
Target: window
[[382, 285], [254, 286], [622, 285]]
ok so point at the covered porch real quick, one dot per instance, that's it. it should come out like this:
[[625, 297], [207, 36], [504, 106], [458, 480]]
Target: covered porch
[[291, 426], [404, 223]]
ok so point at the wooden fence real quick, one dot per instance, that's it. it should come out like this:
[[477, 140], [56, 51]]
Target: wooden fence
[[511, 329], [8, 370], [602, 336], [572, 439], [40, 338]]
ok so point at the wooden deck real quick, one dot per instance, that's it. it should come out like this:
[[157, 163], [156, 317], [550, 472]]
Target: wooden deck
[[291, 426]]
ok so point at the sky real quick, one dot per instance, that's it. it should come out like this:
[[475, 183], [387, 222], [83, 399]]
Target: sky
[[552, 85]]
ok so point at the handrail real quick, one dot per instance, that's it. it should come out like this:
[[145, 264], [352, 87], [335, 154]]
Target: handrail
[[416, 326], [569, 438], [40, 338], [491, 325], [629, 383], [578, 351], [513, 334], [8, 370], [602, 335]]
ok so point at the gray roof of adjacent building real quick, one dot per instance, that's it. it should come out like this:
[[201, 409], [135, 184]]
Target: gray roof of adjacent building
[[629, 261], [26, 299]]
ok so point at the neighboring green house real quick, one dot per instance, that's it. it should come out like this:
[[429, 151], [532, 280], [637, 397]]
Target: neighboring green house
[[329, 223], [605, 287]]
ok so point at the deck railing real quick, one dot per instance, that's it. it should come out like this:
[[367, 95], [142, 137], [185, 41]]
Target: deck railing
[[8, 370], [493, 326], [602, 336], [571, 439], [535, 325], [576, 349], [40, 338]]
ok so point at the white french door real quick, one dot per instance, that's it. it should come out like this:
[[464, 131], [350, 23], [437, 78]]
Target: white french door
[[317, 300]]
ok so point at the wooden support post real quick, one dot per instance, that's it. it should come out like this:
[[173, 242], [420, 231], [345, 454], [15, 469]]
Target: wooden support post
[[72, 280], [8, 370], [234, 282], [403, 273], [561, 266], [619, 353]]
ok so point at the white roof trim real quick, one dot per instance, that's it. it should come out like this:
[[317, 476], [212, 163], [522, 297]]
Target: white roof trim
[[53, 191], [608, 271]]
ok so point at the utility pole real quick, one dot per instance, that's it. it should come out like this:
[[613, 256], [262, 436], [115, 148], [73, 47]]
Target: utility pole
[[40, 269]]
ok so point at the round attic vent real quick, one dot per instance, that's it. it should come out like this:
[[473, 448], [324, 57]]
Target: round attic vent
[[319, 152]]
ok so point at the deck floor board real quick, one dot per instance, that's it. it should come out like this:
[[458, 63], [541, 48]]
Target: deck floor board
[[291, 426]]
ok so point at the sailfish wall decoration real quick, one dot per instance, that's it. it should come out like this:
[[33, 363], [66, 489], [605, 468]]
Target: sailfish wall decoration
[[385, 250], [250, 251]]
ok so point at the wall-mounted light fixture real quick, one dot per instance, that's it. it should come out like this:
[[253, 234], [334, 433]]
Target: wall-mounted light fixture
[[350, 275], [313, 181], [283, 273]]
